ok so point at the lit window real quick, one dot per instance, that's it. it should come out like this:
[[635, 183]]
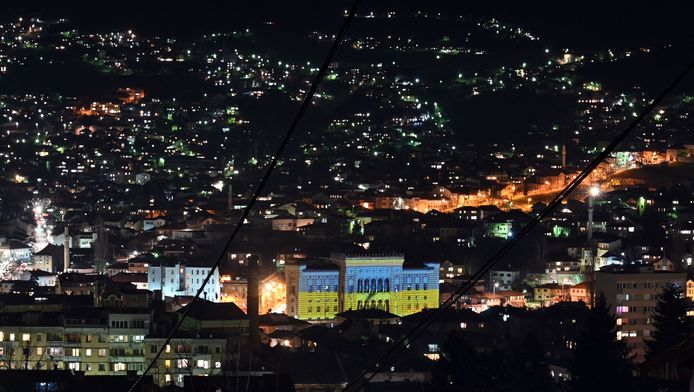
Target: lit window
[[26, 337]]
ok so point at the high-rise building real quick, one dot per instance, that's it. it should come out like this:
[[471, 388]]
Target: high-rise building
[[632, 293], [319, 291]]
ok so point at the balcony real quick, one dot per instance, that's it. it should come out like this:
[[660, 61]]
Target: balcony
[[126, 358]]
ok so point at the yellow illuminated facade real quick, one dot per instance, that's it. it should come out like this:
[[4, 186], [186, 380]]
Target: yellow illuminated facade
[[353, 282]]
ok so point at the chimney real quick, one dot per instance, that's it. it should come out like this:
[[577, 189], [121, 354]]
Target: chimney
[[252, 305], [563, 156], [66, 250]]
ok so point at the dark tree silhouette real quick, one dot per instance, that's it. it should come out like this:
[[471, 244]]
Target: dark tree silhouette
[[601, 362], [462, 368], [516, 364], [672, 326]]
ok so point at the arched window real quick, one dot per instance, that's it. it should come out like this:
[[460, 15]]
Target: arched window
[[359, 286], [387, 304], [387, 286], [359, 305], [366, 285], [373, 304], [373, 285], [380, 285], [380, 304]]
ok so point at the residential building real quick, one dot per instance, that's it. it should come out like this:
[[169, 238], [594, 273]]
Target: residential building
[[632, 292], [502, 280]]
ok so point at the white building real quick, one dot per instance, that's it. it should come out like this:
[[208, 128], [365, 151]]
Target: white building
[[142, 178], [502, 280], [178, 279], [15, 251], [42, 278]]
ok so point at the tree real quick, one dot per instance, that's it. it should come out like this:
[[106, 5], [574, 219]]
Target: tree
[[462, 368], [672, 326], [515, 363], [601, 362]]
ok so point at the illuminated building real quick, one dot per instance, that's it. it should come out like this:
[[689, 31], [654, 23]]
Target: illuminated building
[[110, 342], [312, 291], [580, 293], [188, 355], [550, 293], [235, 290], [499, 229], [14, 250], [363, 281], [48, 259], [100, 109], [131, 95], [95, 342], [503, 280], [271, 293], [689, 293], [631, 292], [175, 278]]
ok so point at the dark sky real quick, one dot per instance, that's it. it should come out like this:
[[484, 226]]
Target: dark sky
[[575, 24]]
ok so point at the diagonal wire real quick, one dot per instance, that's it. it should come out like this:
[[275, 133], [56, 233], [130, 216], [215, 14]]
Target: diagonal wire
[[400, 345], [261, 186]]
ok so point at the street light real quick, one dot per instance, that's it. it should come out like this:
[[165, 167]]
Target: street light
[[593, 192]]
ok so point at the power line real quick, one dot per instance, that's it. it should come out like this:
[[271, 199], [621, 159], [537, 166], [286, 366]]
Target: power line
[[261, 186], [401, 344]]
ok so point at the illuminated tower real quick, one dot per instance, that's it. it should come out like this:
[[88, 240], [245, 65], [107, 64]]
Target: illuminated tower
[[563, 156], [593, 192], [66, 250]]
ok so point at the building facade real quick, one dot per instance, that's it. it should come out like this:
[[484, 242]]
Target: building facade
[[360, 281], [312, 292], [632, 295], [179, 279]]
